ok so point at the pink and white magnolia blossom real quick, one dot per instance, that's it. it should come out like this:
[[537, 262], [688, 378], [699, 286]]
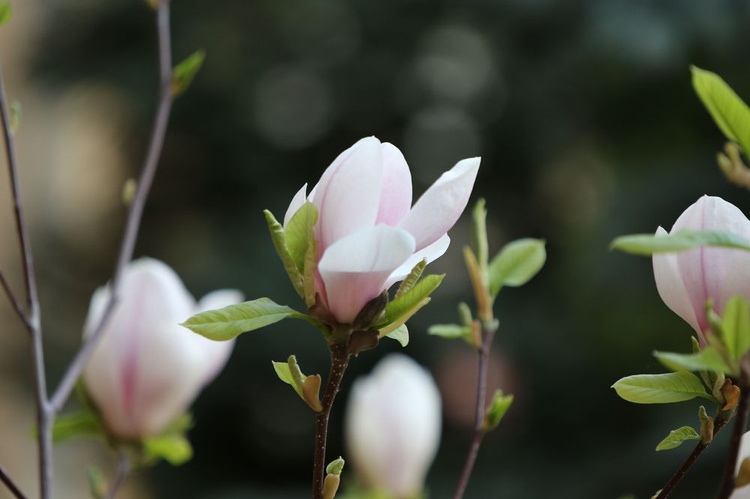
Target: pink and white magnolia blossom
[[147, 369], [369, 235], [687, 280], [392, 426]]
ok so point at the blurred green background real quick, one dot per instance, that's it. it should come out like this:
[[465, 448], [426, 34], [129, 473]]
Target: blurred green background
[[588, 128]]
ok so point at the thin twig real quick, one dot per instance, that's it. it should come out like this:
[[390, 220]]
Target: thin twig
[[719, 423], [727, 482], [17, 306], [32, 317], [121, 473], [339, 362], [11, 485], [151, 161], [488, 335]]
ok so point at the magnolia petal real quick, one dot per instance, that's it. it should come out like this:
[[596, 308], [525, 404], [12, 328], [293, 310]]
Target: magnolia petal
[[395, 198], [430, 253], [348, 194], [355, 269], [671, 287], [393, 426], [441, 205], [297, 201]]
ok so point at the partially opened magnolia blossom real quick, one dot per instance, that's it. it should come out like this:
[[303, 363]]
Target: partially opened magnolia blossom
[[393, 426], [147, 369], [743, 488], [368, 234], [687, 280]]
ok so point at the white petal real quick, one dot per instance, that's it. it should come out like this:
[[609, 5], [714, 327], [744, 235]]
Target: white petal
[[354, 269], [430, 253], [348, 194], [393, 426], [297, 201], [441, 205]]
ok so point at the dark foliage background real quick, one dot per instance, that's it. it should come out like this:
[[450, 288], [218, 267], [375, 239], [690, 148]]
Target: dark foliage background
[[588, 128]]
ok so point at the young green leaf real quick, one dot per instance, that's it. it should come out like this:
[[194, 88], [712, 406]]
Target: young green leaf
[[402, 308], [708, 359], [174, 448], [16, 113], [185, 72], [299, 233], [449, 331], [735, 327], [676, 437], [649, 244], [75, 424], [516, 264], [660, 388], [5, 12], [496, 411], [279, 242], [285, 374], [229, 322], [411, 279], [479, 235], [400, 334], [727, 109]]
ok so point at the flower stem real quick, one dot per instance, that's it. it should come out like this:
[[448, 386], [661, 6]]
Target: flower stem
[[339, 363], [719, 423], [121, 473], [488, 333], [727, 482]]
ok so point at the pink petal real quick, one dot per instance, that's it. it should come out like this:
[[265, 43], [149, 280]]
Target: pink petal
[[430, 253], [297, 201], [441, 205], [355, 269], [395, 198], [671, 288], [348, 194]]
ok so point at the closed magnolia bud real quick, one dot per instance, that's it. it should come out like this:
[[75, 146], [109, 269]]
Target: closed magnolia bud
[[147, 369], [393, 422], [687, 280], [742, 470]]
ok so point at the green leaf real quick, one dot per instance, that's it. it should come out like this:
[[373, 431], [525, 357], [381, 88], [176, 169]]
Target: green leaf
[[449, 331], [174, 448], [516, 264], [97, 483], [335, 467], [735, 327], [708, 359], [413, 278], [285, 375], [299, 233], [75, 424], [184, 72], [676, 437], [729, 112], [5, 12], [229, 322], [497, 409], [279, 242], [402, 308], [479, 235], [400, 334], [649, 244], [660, 388]]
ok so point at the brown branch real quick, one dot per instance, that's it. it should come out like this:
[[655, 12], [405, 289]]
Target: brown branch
[[17, 306], [727, 482], [11, 485]]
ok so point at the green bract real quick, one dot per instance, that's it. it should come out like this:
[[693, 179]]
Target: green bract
[[676, 437], [184, 72]]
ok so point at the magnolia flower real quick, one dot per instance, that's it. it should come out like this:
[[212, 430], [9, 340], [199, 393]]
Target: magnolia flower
[[393, 426], [687, 280], [147, 369], [368, 234]]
